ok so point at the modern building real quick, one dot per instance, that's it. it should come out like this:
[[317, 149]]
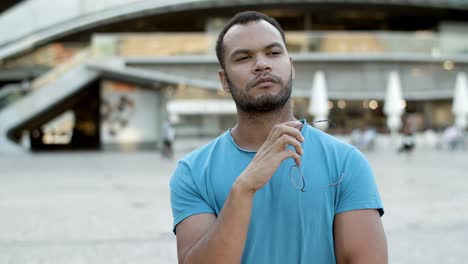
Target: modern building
[[107, 74]]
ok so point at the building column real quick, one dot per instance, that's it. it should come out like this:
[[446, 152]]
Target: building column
[[428, 114], [161, 115]]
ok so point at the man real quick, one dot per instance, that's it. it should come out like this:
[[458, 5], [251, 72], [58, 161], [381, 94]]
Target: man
[[233, 200]]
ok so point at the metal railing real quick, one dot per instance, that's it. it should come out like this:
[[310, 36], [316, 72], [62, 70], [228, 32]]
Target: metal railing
[[11, 93], [341, 42]]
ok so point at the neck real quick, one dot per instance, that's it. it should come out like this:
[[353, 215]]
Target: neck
[[252, 129]]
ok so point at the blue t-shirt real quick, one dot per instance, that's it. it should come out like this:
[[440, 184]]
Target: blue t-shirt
[[287, 225]]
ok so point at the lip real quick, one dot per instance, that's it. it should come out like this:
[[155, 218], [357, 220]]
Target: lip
[[265, 84], [265, 81]]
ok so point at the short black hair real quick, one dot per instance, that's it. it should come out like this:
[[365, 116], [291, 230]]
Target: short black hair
[[242, 19]]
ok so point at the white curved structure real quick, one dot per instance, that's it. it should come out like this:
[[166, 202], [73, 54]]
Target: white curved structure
[[393, 102], [460, 101], [37, 21], [318, 104]]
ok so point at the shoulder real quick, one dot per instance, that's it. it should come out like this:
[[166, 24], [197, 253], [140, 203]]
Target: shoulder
[[326, 141], [202, 154], [191, 172], [194, 162], [331, 150]]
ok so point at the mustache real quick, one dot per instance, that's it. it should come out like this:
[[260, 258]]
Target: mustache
[[266, 77]]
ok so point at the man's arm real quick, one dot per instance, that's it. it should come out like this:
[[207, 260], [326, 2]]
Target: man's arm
[[206, 239], [360, 238]]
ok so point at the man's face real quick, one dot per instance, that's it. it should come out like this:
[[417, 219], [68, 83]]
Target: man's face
[[258, 70]]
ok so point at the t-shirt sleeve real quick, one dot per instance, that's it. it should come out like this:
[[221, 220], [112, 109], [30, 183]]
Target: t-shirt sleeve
[[358, 189], [185, 197]]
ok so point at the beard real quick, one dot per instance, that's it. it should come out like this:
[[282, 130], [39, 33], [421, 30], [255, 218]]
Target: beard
[[264, 103]]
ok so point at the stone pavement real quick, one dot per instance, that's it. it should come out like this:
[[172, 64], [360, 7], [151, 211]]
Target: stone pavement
[[104, 207]]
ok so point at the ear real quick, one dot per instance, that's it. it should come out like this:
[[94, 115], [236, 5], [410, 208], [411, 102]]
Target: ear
[[222, 78], [293, 72]]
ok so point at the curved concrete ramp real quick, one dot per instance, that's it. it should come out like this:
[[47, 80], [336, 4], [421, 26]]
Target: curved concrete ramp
[[40, 101]]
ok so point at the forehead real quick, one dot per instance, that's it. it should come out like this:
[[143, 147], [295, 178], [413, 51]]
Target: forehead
[[253, 35]]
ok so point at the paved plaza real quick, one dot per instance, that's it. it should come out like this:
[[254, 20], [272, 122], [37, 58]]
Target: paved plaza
[[108, 207]]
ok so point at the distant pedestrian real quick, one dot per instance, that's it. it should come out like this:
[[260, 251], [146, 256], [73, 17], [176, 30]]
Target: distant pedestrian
[[168, 140], [453, 137], [368, 138], [407, 144], [431, 138], [356, 138]]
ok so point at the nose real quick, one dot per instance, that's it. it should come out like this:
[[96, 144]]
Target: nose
[[261, 65]]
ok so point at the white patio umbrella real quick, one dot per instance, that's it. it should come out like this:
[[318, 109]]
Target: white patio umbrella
[[460, 101], [318, 104], [393, 106]]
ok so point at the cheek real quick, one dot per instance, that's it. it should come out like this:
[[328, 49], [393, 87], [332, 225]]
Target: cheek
[[239, 77], [286, 72], [283, 67]]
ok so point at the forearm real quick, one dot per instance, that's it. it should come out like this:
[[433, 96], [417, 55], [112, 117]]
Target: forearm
[[225, 241]]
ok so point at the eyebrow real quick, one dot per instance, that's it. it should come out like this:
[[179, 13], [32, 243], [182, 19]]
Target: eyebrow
[[269, 46], [275, 44]]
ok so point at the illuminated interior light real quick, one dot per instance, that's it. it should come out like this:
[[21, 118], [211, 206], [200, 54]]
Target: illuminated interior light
[[341, 104], [373, 104]]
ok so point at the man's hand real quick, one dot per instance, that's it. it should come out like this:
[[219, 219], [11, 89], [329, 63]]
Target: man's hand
[[271, 154]]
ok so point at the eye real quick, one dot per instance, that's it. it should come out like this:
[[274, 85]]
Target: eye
[[242, 58], [275, 52]]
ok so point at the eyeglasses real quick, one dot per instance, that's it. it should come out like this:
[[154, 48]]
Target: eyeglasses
[[299, 181]]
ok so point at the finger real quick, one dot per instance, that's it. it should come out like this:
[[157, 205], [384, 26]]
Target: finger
[[294, 123], [282, 129], [290, 154], [285, 140]]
